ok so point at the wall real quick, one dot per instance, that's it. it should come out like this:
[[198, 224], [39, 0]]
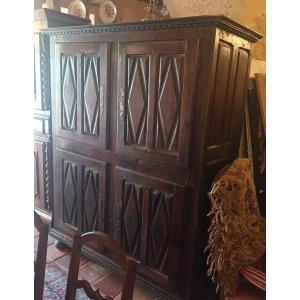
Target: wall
[[251, 13], [179, 8], [128, 11]]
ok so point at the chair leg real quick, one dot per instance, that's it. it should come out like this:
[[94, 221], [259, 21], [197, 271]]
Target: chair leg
[[73, 270], [129, 281], [40, 264]]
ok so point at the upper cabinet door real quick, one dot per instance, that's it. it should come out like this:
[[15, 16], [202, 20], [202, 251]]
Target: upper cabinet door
[[155, 100], [81, 92]]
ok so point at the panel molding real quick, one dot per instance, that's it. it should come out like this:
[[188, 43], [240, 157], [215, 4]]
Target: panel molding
[[221, 91], [137, 76], [69, 101], [91, 73], [170, 67], [132, 203], [160, 228], [239, 92], [69, 192], [92, 200]]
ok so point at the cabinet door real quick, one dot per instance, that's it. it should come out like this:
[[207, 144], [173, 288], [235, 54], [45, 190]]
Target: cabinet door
[[81, 92], [154, 100], [80, 193], [149, 224]]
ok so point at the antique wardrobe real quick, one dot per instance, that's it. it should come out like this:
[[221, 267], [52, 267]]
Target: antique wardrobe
[[143, 116]]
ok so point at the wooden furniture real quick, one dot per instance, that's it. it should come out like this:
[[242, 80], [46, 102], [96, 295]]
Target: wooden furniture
[[127, 264], [260, 80], [253, 144], [40, 262], [44, 18], [143, 116]]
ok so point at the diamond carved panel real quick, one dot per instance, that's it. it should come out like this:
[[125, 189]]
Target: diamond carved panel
[[91, 95], [92, 200], [161, 211], [137, 82], [168, 103], [132, 218], [69, 193], [69, 92]]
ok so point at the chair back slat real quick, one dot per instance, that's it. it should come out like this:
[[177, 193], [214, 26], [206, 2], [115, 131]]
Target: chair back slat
[[109, 243], [128, 265], [128, 282], [40, 262]]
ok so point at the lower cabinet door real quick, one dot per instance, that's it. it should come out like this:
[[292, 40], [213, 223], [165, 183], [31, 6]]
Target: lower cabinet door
[[79, 193], [148, 224]]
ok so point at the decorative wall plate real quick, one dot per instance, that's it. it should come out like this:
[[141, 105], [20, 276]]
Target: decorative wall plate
[[77, 8], [107, 12], [164, 11]]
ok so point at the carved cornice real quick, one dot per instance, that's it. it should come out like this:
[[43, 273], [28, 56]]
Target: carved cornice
[[229, 37], [221, 22]]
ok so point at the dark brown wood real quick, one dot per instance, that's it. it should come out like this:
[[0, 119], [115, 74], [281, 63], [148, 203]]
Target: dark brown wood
[[260, 80], [256, 141], [45, 18], [146, 224], [40, 262], [83, 198], [153, 100], [140, 165], [127, 265]]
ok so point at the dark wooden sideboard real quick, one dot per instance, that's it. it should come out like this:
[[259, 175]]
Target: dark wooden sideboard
[[143, 117], [44, 18]]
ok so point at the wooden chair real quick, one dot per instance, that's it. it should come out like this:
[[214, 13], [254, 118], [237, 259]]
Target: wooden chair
[[40, 262], [127, 264]]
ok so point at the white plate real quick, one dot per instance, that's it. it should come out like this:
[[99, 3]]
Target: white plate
[[107, 12], [77, 8]]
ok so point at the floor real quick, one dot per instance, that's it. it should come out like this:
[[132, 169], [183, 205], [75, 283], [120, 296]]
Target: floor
[[107, 282]]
